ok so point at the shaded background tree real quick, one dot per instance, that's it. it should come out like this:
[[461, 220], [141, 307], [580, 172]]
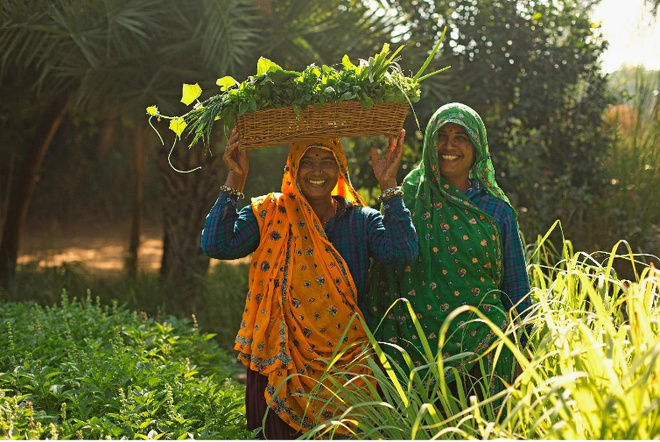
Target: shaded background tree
[[542, 77], [117, 57], [531, 69], [49, 53]]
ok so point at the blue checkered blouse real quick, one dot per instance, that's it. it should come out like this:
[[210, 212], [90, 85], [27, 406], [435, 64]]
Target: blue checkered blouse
[[358, 233]]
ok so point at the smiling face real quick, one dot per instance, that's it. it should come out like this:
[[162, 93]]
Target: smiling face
[[455, 155], [318, 173]]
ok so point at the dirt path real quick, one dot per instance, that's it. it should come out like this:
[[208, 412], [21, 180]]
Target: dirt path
[[101, 250]]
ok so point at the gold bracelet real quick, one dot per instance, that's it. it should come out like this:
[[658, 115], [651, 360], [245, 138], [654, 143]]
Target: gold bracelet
[[233, 192], [392, 191]]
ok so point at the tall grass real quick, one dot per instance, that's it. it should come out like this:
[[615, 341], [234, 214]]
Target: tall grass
[[594, 372], [589, 371]]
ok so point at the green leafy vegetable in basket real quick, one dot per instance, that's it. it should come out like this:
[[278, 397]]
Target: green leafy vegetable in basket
[[376, 80]]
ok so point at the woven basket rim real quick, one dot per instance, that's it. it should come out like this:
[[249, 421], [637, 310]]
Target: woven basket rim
[[277, 126]]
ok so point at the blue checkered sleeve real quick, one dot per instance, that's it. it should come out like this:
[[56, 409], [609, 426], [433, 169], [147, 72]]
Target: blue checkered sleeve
[[392, 236], [229, 233], [515, 282], [361, 233]]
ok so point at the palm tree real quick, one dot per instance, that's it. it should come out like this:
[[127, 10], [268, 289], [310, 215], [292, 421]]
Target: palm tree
[[203, 40], [124, 55], [49, 51]]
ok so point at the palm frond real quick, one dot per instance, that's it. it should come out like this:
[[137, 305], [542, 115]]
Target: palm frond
[[226, 32]]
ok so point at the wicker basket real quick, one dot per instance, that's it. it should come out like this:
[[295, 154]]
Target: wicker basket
[[271, 127]]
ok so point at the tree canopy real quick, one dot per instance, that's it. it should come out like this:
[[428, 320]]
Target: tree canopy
[[532, 70]]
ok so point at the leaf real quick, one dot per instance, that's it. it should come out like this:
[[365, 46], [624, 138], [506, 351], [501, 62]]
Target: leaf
[[252, 105], [154, 435], [153, 381], [346, 62], [393, 56], [243, 108], [152, 110], [346, 96], [190, 93], [430, 57], [52, 374], [433, 73], [367, 102], [264, 65], [226, 82], [281, 76], [177, 125]]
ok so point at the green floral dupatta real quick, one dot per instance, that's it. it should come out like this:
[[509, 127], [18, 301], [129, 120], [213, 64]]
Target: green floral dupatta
[[460, 258]]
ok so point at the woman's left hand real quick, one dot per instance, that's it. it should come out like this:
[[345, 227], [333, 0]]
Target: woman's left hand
[[386, 168]]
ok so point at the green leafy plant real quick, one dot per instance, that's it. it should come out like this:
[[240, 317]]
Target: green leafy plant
[[376, 80], [80, 370]]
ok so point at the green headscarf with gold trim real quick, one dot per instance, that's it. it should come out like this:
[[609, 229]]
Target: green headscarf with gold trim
[[460, 256]]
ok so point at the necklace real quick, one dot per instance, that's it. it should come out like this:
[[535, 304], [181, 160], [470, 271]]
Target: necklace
[[334, 212]]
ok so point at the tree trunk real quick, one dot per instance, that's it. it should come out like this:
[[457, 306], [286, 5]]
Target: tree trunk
[[26, 179], [108, 130], [188, 199], [136, 219], [4, 194]]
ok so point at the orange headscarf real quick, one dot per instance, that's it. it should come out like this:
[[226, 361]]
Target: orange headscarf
[[302, 296]]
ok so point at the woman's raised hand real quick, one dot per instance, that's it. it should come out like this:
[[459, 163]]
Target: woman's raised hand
[[387, 167], [237, 161]]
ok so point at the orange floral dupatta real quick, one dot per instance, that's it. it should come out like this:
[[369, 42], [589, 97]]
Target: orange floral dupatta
[[301, 298]]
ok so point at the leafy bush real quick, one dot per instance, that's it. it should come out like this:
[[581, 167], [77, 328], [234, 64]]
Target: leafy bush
[[80, 370], [218, 304]]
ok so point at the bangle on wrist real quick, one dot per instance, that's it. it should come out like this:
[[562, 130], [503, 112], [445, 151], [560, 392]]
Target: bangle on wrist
[[232, 192], [390, 192]]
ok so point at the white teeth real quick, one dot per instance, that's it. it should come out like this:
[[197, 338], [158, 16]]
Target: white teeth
[[317, 183], [449, 157]]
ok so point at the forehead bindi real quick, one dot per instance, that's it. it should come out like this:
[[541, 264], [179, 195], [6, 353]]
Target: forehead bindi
[[453, 128], [318, 154]]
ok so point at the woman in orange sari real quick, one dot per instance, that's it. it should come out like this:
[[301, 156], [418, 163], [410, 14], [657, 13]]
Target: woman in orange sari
[[311, 248]]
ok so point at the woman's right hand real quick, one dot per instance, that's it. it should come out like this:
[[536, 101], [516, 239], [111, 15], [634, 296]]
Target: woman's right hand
[[386, 168], [236, 159]]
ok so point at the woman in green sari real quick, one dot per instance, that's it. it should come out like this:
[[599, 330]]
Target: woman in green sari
[[470, 252]]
